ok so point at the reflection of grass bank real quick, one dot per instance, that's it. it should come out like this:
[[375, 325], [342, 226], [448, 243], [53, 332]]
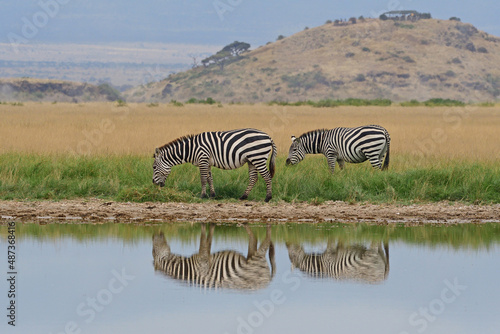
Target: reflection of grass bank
[[453, 236], [128, 178]]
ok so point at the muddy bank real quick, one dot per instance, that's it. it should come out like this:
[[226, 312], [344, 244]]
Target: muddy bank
[[94, 210]]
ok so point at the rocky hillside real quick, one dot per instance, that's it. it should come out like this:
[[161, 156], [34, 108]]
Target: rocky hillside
[[54, 90], [369, 59]]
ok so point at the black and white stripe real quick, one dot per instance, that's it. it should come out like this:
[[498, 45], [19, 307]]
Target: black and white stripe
[[355, 262], [225, 269], [354, 145], [225, 150]]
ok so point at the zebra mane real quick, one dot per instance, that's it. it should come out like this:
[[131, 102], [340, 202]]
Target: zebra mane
[[306, 134], [175, 141]]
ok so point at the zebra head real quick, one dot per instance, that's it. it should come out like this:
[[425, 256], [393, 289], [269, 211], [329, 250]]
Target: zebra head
[[161, 168], [296, 153]]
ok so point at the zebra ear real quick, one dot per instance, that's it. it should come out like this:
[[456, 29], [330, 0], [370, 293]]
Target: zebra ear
[[157, 152], [293, 139]]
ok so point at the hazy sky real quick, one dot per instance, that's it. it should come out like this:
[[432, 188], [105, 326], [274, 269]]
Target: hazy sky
[[215, 22]]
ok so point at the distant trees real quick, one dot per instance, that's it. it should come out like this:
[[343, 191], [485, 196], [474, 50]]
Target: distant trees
[[228, 53], [454, 18]]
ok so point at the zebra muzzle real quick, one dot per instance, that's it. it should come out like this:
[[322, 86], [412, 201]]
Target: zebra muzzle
[[288, 162], [161, 184]]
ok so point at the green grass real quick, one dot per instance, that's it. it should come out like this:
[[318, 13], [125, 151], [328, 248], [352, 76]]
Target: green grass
[[129, 178], [436, 102], [335, 103]]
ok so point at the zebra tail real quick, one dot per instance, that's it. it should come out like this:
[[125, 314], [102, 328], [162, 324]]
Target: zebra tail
[[272, 163], [385, 166]]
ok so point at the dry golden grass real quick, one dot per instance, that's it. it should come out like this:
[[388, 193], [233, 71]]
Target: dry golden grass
[[469, 133]]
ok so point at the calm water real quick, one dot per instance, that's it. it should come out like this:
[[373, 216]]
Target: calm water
[[102, 279]]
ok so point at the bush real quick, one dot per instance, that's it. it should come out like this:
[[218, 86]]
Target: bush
[[111, 93], [176, 103], [443, 102], [194, 100], [360, 78], [121, 103], [329, 103], [470, 47], [411, 103]]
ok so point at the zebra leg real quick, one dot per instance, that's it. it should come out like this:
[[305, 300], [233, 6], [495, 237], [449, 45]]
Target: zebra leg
[[210, 180], [252, 173], [375, 161], [331, 158], [341, 163], [262, 169], [204, 171], [252, 242]]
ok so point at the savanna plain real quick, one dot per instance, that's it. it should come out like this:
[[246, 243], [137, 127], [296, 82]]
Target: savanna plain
[[95, 160]]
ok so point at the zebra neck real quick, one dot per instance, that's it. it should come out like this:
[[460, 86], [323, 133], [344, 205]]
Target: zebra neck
[[181, 152], [313, 143]]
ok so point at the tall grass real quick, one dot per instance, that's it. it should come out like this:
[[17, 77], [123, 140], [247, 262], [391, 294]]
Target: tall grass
[[129, 178], [437, 153]]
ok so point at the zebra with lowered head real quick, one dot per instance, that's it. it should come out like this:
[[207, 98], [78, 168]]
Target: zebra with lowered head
[[353, 262], [225, 269], [354, 145], [222, 149]]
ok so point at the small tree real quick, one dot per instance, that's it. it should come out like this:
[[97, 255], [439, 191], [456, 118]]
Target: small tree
[[383, 17], [236, 48], [280, 37]]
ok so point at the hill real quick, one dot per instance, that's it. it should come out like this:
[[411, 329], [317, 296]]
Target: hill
[[370, 59], [54, 90]]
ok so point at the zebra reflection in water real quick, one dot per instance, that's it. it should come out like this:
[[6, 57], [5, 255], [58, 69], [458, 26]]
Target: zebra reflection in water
[[225, 269], [355, 262]]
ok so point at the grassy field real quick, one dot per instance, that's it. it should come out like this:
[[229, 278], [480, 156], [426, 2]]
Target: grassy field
[[59, 151]]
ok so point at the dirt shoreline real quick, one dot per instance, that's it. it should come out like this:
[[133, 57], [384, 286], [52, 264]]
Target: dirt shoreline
[[98, 211]]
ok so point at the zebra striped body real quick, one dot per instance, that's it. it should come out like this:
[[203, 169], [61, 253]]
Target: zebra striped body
[[226, 269], [356, 262], [341, 145], [225, 150]]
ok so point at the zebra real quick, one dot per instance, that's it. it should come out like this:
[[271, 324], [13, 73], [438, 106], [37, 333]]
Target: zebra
[[222, 149], [355, 262], [225, 269], [353, 145]]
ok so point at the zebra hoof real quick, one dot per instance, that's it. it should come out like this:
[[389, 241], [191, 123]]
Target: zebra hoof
[[212, 195], [203, 196], [243, 197], [268, 198]]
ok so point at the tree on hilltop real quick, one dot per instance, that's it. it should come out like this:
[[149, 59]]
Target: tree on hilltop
[[236, 48], [228, 53]]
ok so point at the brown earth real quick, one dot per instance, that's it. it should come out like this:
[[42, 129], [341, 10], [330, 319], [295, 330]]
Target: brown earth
[[95, 210]]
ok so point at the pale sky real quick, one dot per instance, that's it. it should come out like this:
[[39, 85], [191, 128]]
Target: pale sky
[[208, 22]]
